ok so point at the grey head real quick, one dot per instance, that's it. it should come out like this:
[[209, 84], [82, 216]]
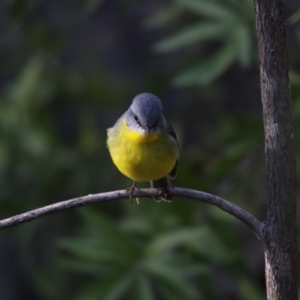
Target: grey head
[[145, 114]]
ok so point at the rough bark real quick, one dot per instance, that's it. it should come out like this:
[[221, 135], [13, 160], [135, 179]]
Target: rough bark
[[280, 230]]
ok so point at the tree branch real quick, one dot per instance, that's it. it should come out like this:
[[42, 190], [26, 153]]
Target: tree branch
[[223, 204]]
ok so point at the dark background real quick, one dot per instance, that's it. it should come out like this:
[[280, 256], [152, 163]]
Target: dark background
[[69, 69]]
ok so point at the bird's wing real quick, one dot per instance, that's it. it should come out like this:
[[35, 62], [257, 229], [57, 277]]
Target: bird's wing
[[172, 133]]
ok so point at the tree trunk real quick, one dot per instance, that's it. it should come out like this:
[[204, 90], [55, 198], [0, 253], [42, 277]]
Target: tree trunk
[[279, 235]]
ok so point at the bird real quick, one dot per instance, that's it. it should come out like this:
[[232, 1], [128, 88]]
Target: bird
[[143, 145]]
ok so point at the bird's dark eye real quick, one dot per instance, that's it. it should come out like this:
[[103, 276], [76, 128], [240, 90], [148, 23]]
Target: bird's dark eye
[[137, 120]]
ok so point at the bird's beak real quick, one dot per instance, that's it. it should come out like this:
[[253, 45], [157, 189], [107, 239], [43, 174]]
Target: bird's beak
[[147, 130]]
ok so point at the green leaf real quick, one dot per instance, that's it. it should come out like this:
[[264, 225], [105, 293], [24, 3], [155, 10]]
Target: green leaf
[[193, 34], [208, 71], [25, 90], [210, 246], [181, 263], [243, 43], [92, 5], [97, 252], [173, 281], [168, 241], [104, 228], [295, 17], [209, 9], [110, 288], [84, 266], [163, 16], [143, 290], [138, 225], [103, 243]]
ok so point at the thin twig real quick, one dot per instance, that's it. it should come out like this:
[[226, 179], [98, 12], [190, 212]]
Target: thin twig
[[255, 225]]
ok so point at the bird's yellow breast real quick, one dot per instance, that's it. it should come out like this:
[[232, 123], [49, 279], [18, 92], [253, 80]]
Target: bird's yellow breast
[[141, 157]]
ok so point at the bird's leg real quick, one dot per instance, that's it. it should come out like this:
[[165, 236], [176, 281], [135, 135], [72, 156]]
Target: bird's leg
[[131, 189], [163, 184], [164, 195]]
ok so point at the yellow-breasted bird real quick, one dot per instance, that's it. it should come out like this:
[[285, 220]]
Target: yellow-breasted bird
[[143, 145]]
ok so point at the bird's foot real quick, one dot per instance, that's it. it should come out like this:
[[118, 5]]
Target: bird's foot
[[163, 195], [130, 190]]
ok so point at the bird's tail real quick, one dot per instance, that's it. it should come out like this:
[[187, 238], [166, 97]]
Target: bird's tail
[[163, 183]]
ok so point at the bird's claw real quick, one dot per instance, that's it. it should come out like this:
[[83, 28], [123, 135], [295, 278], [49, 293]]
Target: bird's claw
[[130, 190], [163, 195]]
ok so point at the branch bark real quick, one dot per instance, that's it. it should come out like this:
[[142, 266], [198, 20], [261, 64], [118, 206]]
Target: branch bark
[[279, 234], [255, 225]]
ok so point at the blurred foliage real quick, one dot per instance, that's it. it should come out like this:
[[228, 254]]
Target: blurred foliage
[[68, 70], [222, 34]]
